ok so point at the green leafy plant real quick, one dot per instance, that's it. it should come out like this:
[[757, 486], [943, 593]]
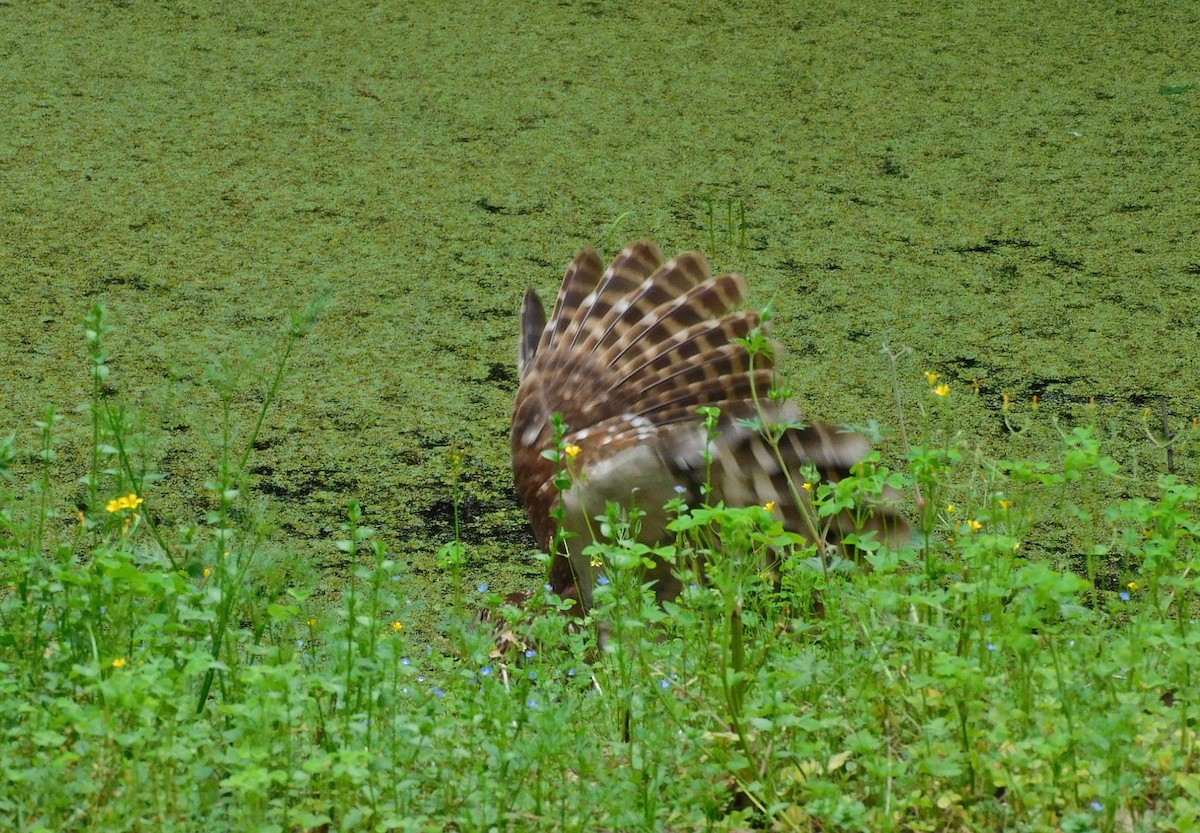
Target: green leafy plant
[[973, 679]]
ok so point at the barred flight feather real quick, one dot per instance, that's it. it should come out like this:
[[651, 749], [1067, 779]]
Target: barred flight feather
[[627, 356]]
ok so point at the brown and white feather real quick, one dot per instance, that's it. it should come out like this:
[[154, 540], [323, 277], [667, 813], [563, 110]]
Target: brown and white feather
[[627, 356]]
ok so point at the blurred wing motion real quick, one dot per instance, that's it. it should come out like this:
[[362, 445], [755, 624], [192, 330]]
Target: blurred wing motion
[[627, 356]]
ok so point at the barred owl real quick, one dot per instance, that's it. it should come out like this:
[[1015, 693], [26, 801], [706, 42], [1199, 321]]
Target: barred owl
[[628, 355]]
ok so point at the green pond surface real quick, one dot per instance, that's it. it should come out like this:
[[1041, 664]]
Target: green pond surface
[[1010, 190]]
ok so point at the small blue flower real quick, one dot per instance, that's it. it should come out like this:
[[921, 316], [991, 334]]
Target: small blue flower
[[549, 589], [483, 588], [533, 675], [486, 670], [1124, 595], [571, 673], [1097, 806], [987, 617], [438, 692], [530, 654], [406, 661], [531, 703], [680, 490], [421, 678], [602, 580], [664, 683], [991, 646]]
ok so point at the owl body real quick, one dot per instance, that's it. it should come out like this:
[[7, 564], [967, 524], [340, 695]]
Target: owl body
[[627, 356]]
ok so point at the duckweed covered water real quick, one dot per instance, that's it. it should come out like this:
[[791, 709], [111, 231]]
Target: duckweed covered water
[[1008, 190]]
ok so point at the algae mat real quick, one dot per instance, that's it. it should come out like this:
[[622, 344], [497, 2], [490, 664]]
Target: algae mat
[[1007, 189]]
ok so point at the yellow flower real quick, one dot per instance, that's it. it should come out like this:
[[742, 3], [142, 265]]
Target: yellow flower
[[942, 390], [572, 451], [974, 525], [312, 623], [769, 506], [1006, 402], [1016, 546], [808, 487], [932, 377], [207, 572], [1004, 504], [1133, 585], [951, 508], [119, 662], [397, 627], [129, 501], [1034, 403], [596, 562]]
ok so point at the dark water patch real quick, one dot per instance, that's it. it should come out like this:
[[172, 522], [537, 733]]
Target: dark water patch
[[302, 484], [992, 244], [888, 166], [432, 440], [489, 314], [319, 211], [480, 520], [1007, 272], [1044, 387], [492, 207], [1062, 260], [502, 374], [803, 277], [528, 121], [121, 281], [409, 457]]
